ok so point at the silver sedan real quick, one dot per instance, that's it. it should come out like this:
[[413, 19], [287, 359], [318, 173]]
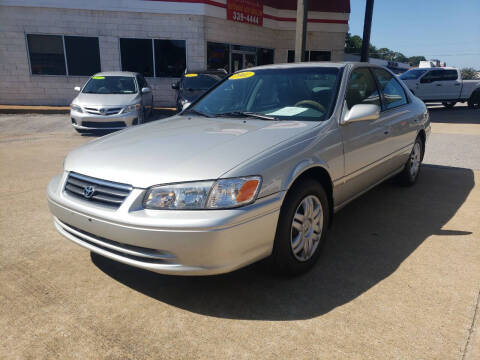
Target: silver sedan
[[254, 169], [111, 101]]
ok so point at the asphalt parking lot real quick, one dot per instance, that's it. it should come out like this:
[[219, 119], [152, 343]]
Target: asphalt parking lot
[[400, 277]]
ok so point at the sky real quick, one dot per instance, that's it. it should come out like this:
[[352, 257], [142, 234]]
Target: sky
[[448, 30]]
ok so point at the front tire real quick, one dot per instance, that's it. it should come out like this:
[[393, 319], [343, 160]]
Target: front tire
[[301, 229], [411, 170]]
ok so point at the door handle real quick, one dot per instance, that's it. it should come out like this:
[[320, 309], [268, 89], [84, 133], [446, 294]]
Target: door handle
[[457, 84], [438, 84], [386, 132]]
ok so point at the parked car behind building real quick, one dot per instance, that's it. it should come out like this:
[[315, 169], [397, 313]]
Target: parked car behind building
[[111, 101], [194, 84]]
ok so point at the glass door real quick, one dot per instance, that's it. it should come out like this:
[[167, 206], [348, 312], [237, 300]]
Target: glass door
[[237, 62]]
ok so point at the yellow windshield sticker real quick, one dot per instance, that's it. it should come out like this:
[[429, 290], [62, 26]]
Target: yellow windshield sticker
[[191, 75], [98, 77], [242, 75]]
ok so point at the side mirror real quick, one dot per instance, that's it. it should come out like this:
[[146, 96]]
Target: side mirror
[[175, 86], [146, 90], [361, 112], [186, 105], [76, 88]]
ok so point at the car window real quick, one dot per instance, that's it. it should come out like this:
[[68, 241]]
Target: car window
[[449, 75], [296, 93], [434, 75], [361, 88], [392, 91], [413, 74], [110, 85], [200, 81]]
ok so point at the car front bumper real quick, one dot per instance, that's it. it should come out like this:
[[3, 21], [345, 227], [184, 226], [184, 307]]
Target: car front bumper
[[182, 242], [86, 121]]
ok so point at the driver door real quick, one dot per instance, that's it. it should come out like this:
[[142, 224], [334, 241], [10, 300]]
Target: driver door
[[365, 143]]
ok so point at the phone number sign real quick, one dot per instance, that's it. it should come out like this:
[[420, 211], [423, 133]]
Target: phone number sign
[[246, 11]]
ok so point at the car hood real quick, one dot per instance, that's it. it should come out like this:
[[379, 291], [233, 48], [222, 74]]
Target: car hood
[[179, 149], [104, 99]]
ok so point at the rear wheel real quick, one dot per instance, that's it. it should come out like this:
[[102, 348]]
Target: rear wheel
[[301, 229], [449, 104], [474, 101], [411, 170]]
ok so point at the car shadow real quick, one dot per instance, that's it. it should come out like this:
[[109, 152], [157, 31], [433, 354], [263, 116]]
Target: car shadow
[[456, 115], [369, 240]]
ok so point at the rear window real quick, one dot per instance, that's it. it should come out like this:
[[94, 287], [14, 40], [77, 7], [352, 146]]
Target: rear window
[[110, 85]]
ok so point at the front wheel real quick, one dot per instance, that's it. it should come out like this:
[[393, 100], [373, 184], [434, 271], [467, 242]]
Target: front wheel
[[411, 170], [449, 104], [301, 229]]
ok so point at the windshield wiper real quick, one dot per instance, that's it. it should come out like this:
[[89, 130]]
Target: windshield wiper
[[198, 112], [247, 114]]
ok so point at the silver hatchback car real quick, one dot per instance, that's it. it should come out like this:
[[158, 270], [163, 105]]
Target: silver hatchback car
[[111, 101], [253, 169]]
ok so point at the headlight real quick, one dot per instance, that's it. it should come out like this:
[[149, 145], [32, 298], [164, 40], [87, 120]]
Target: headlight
[[221, 194], [131, 108], [76, 108]]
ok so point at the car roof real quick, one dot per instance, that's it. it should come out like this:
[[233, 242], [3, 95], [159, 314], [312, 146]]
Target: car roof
[[434, 68], [117, 73]]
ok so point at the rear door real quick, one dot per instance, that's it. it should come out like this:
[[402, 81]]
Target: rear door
[[396, 116], [451, 84]]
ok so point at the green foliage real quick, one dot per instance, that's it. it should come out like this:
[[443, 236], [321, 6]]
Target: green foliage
[[469, 73], [353, 45]]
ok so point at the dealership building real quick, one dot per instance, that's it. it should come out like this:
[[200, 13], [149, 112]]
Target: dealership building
[[47, 47]]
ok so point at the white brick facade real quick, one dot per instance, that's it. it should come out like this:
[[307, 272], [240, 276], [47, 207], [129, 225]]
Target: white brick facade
[[18, 86]]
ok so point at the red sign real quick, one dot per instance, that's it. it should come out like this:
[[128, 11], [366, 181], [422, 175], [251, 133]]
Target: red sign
[[246, 11]]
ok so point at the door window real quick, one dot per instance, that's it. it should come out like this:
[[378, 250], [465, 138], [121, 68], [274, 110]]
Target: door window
[[449, 75], [362, 88], [392, 91], [432, 76]]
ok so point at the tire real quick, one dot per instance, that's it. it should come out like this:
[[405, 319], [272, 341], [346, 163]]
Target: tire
[[474, 100], [411, 170], [449, 104], [293, 252]]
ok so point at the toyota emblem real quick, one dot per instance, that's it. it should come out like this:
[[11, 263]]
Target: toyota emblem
[[102, 111], [88, 191]]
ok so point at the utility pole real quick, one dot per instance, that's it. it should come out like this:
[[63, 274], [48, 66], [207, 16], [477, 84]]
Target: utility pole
[[301, 30], [367, 27]]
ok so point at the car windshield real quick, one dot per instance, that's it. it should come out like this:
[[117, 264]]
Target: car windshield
[[305, 93], [110, 85], [412, 74], [200, 81]]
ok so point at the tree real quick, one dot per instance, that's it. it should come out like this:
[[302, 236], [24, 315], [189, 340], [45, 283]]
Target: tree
[[469, 73], [353, 44]]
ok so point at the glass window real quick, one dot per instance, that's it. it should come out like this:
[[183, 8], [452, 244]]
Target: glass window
[[46, 54], [393, 93], [170, 58], [449, 75], [217, 56], [142, 82], [291, 56], [434, 75], [320, 55], [110, 85], [413, 74], [201, 81], [137, 56], [264, 56], [362, 88], [83, 55], [285, 94]]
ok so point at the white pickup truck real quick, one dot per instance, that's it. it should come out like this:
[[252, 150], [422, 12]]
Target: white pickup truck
[[442, 84]]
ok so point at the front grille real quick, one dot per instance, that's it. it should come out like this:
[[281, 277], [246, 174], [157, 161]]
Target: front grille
[[103, 125], [97, 191], [103, 110]]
